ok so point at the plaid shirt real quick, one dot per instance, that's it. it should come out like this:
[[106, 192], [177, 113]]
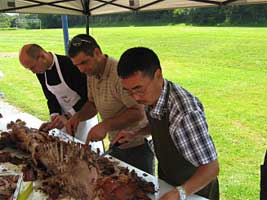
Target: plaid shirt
[[188, 127]]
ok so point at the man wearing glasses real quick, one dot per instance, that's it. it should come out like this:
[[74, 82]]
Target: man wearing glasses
[[63, 86], [107, 97], [185, 151]]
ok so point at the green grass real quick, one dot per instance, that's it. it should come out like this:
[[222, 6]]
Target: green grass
[[225, 67]]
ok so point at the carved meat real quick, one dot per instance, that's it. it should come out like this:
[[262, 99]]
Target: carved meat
[[124, 186], [7, 157], [8, 185]]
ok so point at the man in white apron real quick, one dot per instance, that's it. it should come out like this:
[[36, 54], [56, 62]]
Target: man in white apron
[[64, 86]]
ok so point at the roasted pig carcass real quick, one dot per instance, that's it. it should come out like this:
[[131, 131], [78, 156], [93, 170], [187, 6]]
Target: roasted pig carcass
[[67, 168], [72, 166]]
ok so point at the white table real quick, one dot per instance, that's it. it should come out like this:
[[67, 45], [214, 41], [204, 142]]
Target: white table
[[160, 185]]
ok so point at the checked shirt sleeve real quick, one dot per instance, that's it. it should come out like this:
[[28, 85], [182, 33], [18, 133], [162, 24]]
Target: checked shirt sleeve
[[191, 138]]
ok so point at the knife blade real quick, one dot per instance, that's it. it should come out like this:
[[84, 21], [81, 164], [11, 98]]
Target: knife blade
[[111, 148], [73, 134]]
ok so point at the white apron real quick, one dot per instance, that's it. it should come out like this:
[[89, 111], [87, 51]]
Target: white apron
[[67, 98]]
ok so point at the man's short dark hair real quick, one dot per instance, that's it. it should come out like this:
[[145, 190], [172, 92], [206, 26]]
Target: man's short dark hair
[[138, 59], [82, 43]]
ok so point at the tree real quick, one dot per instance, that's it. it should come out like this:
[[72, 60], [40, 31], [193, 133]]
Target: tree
[[4, 21]]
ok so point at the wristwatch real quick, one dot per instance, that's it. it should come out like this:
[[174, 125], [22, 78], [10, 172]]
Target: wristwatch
[[67, 115], [182, 192]]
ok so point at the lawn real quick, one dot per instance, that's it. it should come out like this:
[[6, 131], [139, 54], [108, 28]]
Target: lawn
[[225, 67]]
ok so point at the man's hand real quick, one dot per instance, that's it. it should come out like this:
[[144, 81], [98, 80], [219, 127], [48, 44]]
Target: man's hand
[[124, 137], [44, 127], [72, 124], [171, 195], [57, 121], [98, 132]]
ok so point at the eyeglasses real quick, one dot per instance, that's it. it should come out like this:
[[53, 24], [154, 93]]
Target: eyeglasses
[[139, 91], [77, 42]]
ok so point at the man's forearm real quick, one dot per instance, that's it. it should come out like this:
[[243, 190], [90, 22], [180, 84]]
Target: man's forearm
[[87, 111], [124, 119], [143, 131], [202, 177]]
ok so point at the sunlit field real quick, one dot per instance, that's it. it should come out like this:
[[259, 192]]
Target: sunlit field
[[226, 68]]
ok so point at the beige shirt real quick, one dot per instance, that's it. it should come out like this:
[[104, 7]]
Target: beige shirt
[[110, 98]]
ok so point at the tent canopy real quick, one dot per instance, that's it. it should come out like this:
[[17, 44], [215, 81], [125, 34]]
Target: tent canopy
[[98, 7]]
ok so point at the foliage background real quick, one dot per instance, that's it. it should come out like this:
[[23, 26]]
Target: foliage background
[[249, 15]]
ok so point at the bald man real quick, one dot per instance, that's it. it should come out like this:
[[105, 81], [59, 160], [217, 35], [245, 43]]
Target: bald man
[[64, 86]]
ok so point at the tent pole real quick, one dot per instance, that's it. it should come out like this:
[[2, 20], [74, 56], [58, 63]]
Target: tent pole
[[87, 24], [64, 19]]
